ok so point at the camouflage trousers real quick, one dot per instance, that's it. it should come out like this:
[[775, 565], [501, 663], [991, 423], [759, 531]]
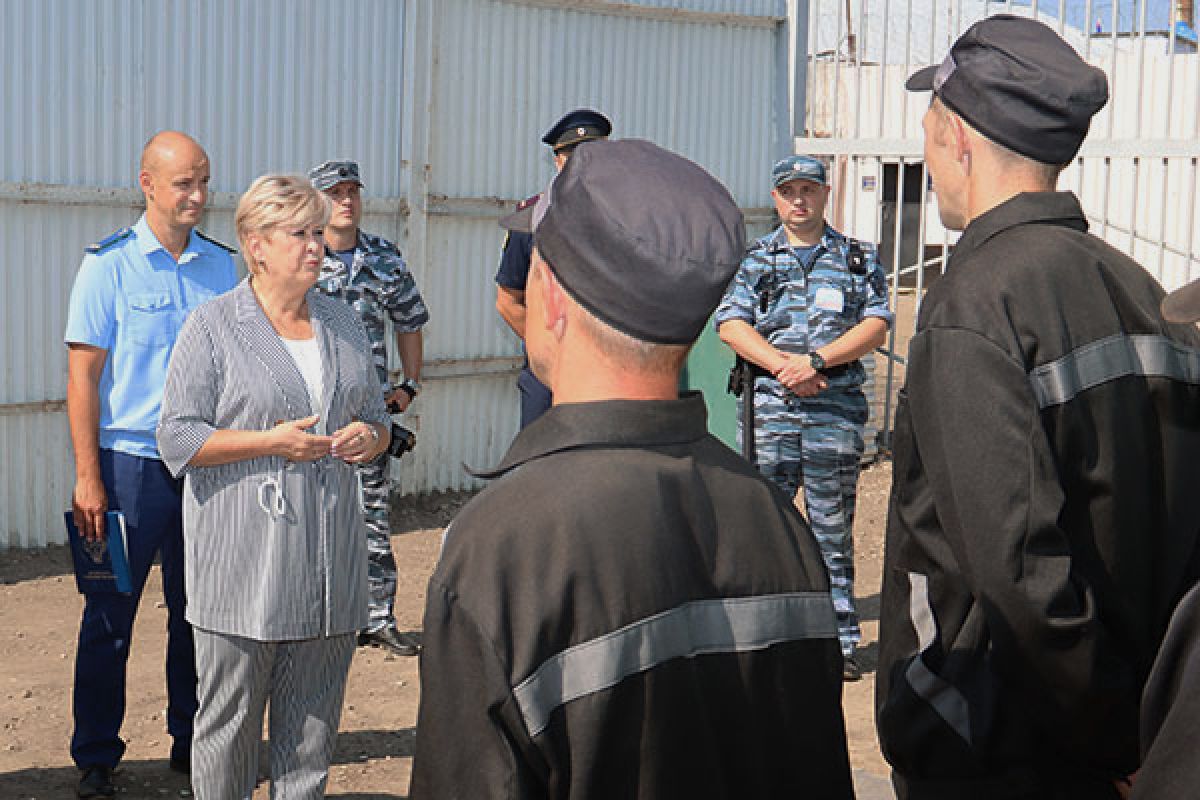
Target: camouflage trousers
[[381, 564], [816, 444]]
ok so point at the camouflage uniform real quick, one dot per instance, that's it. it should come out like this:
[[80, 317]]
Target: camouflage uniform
[[798, 305], [380, 287]]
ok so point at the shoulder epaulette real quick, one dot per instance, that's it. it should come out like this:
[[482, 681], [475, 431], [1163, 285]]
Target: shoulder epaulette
[[218, 243], [766, 244], [109, 241], [528, 201], [375, 242], [855, 253]]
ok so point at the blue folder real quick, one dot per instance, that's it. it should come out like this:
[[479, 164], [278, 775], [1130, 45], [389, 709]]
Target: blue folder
[[101, 565]]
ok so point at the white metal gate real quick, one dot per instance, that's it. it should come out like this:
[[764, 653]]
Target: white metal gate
[[1136, 175]]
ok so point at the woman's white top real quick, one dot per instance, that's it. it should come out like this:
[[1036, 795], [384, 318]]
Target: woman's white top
[[307, 355]]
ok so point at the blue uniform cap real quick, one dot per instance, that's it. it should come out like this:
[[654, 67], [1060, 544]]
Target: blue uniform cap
[[331, 173], [798, 168], [577, 126]]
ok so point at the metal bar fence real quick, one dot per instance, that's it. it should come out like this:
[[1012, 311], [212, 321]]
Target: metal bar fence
[[1136, 176]]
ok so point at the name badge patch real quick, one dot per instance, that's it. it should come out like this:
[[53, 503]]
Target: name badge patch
[[829, 299]]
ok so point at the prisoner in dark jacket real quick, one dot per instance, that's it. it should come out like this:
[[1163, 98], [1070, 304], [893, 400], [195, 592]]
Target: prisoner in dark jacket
[[630, 610], [1044, 517]]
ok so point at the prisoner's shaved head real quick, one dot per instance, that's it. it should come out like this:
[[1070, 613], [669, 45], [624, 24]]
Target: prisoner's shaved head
[[171, 147]]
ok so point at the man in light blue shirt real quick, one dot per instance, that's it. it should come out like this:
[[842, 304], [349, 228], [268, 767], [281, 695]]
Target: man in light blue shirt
[[133, 291]]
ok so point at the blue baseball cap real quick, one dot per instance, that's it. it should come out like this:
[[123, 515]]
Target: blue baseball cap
[[798, 168]]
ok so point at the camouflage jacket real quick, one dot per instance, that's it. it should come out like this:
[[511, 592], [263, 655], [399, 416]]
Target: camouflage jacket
[[799, 305], [380, 287]]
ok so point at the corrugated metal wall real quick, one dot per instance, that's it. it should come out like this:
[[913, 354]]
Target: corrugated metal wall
[[701, 88], [698, 77], [85, 85], [270, 85], [441, 101]]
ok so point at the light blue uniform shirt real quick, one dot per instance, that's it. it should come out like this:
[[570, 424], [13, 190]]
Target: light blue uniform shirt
[[131, 298]]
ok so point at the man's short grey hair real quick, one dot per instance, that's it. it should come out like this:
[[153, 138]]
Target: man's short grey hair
[[639, 355], [1044, 173]]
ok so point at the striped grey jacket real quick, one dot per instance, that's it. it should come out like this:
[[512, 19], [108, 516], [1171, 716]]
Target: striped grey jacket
[[275, 550]]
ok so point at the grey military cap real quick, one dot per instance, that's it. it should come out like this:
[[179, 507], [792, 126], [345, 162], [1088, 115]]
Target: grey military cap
[[331, 173]]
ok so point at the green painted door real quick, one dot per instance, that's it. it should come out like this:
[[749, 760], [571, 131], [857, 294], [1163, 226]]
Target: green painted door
[[707, 370]]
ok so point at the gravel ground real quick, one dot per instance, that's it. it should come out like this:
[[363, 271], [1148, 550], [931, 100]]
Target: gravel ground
[[39, 617]]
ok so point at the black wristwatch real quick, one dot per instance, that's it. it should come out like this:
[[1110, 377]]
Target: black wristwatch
[[817, 362], [410, 388]]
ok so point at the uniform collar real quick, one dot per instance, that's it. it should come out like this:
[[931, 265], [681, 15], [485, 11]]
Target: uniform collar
[[149, 243], [1048, 208], [607, 424], [777, 241], [364, 241], [364, 244], [360, 262]]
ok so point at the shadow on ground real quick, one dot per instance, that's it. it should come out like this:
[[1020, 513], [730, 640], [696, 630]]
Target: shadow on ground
[[421, 512], [868, 607], [135, 780], [143, 780], [30, 565], [868, 657], [357, 746]]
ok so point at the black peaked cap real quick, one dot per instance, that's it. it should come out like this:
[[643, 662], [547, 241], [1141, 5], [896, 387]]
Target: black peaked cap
[[580, 125], [1019, 84]]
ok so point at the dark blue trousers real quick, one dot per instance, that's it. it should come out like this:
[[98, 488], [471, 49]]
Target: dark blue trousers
[[150, 498], [535, 397]]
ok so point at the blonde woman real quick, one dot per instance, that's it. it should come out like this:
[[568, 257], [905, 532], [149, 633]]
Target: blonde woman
[[271, 399]]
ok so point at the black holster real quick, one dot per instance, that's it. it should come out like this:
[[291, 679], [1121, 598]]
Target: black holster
[[741, 384]]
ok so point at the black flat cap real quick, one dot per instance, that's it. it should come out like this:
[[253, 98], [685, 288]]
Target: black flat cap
[[642, 238], [578, 126], [1183, 304], [1019, 84]]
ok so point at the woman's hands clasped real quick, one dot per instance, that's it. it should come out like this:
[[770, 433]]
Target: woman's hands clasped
[[356, 443], [292, 440]]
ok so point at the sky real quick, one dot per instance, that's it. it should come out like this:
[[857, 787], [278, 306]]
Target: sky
[[1158, 13]]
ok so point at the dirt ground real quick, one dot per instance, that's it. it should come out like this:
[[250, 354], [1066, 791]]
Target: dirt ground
[[39, 617]]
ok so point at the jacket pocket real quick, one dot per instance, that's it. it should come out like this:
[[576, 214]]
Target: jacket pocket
[[152, 317]]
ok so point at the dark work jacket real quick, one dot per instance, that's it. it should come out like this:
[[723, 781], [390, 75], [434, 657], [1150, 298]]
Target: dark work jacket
[[1044, 512], [630, 611], [1171, 710]]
